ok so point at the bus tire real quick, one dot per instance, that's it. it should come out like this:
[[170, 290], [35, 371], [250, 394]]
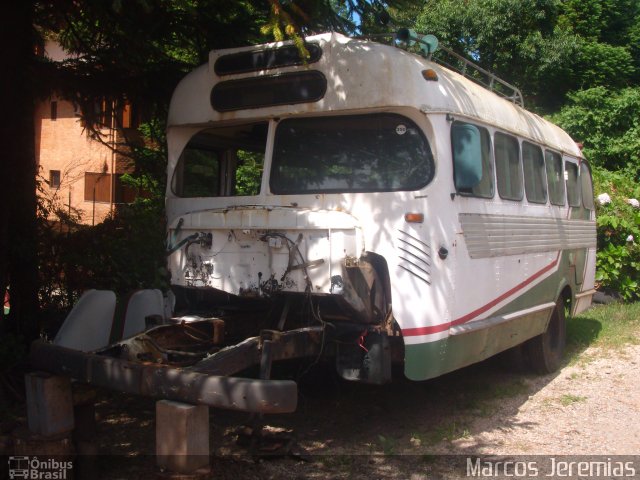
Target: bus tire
[[544, 353]]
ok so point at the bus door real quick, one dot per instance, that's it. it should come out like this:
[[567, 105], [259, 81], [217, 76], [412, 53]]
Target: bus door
[[577, 257]]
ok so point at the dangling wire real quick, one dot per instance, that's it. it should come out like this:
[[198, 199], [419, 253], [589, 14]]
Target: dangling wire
[[361, 341]]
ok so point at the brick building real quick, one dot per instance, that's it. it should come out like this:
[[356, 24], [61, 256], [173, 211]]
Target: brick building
[[81, 174]]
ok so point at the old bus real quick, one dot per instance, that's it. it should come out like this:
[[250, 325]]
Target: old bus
[[371, 205]]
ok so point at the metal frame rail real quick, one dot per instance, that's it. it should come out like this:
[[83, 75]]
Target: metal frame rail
[[207, 382], [465, 67]]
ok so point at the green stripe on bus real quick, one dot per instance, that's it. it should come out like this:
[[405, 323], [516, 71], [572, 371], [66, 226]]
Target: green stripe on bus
[[431, 359]]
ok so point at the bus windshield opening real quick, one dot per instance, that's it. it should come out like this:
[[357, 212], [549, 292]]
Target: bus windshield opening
[[222, 162], [338, 154]]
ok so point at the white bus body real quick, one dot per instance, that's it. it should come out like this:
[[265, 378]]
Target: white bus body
[[404, 206]]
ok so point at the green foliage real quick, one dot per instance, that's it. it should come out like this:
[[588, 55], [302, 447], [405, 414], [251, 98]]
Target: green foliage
[[569, 399], [149, 159], [249, 172], [607, 122], [602, 64], [610, 326], [634, 46], [550, 48], [618, 260], [584, 17], [516, 39], [545, 47], [388, 444], [606, 20], [123, 253]]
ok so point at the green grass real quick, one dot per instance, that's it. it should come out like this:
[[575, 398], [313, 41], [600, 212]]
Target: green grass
[[610, 327], [568, 399], [449, 431], [387, 444]]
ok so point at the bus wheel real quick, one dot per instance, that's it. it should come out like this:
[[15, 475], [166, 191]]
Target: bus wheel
[[544, 353]]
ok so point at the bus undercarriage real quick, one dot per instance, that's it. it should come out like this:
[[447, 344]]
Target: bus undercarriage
[[220, 349]]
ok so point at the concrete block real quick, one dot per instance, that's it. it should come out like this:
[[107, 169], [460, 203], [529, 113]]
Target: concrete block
[[182, 436], [49, 404]]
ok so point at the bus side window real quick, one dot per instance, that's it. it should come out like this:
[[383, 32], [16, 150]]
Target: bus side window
[[197, 173], [508, 166], [535, 184], [573, 188], [472, 165], [555, 177], [587, 186]]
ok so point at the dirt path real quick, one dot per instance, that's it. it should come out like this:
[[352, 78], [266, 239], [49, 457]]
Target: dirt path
[[345, 430], [591, 407]]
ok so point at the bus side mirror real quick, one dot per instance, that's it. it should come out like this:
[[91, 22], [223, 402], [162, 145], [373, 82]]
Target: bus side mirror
[[467, 155]]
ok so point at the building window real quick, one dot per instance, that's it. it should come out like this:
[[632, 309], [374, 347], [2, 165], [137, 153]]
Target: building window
[[97, 187], [101, 182], [54, 178], [54, 110], [103, 110], [127, 116]]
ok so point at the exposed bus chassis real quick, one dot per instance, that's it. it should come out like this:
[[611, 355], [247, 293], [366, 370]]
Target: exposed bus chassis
[[190, 362]]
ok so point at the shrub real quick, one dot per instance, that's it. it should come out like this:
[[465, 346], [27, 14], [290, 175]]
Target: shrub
[[606, 122], [618, 257]]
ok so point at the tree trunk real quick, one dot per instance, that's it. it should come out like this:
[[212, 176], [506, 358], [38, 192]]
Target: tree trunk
[[18, 237]]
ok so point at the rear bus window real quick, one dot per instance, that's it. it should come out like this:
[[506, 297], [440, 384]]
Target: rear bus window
[[198, 173], [535, 183], [555, 177], [573, 187], [222, 162], [357, 153], [508, 166], [269, 90]]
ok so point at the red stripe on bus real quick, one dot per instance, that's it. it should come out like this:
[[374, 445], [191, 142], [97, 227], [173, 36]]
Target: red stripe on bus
[[412, 332]]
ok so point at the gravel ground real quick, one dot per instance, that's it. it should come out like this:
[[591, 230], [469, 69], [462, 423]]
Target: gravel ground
[[408, 430], [589, 408], [414, 430]]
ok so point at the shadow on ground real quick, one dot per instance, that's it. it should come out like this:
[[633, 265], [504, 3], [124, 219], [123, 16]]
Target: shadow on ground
[[343, 429]]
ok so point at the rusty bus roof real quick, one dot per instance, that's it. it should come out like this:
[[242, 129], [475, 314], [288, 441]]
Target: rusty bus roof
[[367, 75]]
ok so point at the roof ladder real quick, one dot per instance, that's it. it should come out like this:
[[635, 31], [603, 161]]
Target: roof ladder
[[446, 57]]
